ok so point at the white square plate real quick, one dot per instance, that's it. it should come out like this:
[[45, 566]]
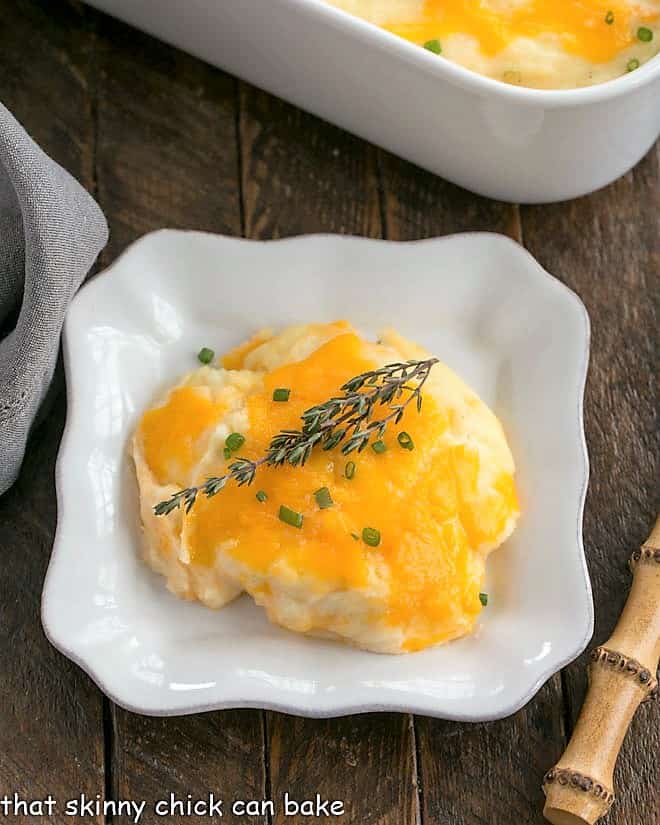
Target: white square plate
[[482, 304]]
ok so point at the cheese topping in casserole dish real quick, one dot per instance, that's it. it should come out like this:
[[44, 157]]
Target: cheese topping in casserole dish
[[545, 44]]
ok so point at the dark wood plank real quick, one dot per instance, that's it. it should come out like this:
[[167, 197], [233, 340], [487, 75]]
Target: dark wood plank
[[166, 138], [490, 774], [161, 110], [420, 205], [301, 175], [167, 157], [48, 707], [366, 762], [485, 773], [191, 757], [51, 93], [607, 248]]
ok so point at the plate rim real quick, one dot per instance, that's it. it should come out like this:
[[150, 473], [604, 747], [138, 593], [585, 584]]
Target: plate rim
[[417, 706]]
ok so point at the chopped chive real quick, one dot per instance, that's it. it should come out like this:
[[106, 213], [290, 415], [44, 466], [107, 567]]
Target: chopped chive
[[632, 64], [261, 496], [371, 536], [379, 447], [205, 355], [644, 34], [483, 598], [234, 442], [405, 440], [349, 470], [281, 394], [290, 517], [433, 46], [323, 498], [355, 536], [609, 18], [227, 453]]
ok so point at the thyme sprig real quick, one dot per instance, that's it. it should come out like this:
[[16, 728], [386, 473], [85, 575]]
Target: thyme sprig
[[346, 419]]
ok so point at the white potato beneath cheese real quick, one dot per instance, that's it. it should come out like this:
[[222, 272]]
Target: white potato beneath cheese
[[545, 44]]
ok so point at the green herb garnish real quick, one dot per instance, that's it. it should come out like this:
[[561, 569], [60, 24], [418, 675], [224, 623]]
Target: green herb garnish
[[346, 419], [281, 394], [323, 498], [632, 64], [371, 536], [205, 355], [609, 18], [234, 442], [290, 517], [349, 470], [379, 446], [483, 598], [355, 536], [433, 46], [644, 34], [405, 440], [227, 453], [261, 496]]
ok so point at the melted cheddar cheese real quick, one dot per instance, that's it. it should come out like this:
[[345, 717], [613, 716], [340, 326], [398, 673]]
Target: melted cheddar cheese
[[542, 43], [181, 424], [440, 508]]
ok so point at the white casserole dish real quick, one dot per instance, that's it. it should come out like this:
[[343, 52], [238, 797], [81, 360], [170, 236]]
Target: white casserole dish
[[505, 142]]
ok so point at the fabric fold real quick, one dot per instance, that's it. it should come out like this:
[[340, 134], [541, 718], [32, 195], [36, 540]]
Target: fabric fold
[[51, 232]]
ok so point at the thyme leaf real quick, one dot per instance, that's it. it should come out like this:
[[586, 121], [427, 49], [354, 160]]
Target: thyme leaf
[[349, 419]]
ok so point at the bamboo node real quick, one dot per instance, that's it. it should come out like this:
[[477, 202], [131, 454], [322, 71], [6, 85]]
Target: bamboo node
[[627, 665], [646, 555], [579, 781]]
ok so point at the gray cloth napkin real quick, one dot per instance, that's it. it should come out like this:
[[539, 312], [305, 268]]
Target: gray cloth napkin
[[51, 231]]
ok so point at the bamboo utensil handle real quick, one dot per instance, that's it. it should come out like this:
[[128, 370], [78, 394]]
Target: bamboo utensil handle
[[579, 789]]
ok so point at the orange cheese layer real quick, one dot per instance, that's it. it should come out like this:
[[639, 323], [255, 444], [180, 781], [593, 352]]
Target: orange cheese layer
[[172, 434], [424, 501], [580, 25]]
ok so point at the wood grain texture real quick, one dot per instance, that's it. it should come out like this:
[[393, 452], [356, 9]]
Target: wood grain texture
[[473, 774], [420, 205], [166, 145], [154, 133], [490, 774], [366, 761], [167, 157], [607, 248], [48, 707], [301, 175], [50, 93], [218, 753]]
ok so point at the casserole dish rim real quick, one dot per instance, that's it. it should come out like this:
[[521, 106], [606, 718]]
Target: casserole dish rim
[[472, 81]]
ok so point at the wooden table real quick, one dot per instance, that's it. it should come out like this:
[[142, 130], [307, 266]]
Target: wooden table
[[162, 139]]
